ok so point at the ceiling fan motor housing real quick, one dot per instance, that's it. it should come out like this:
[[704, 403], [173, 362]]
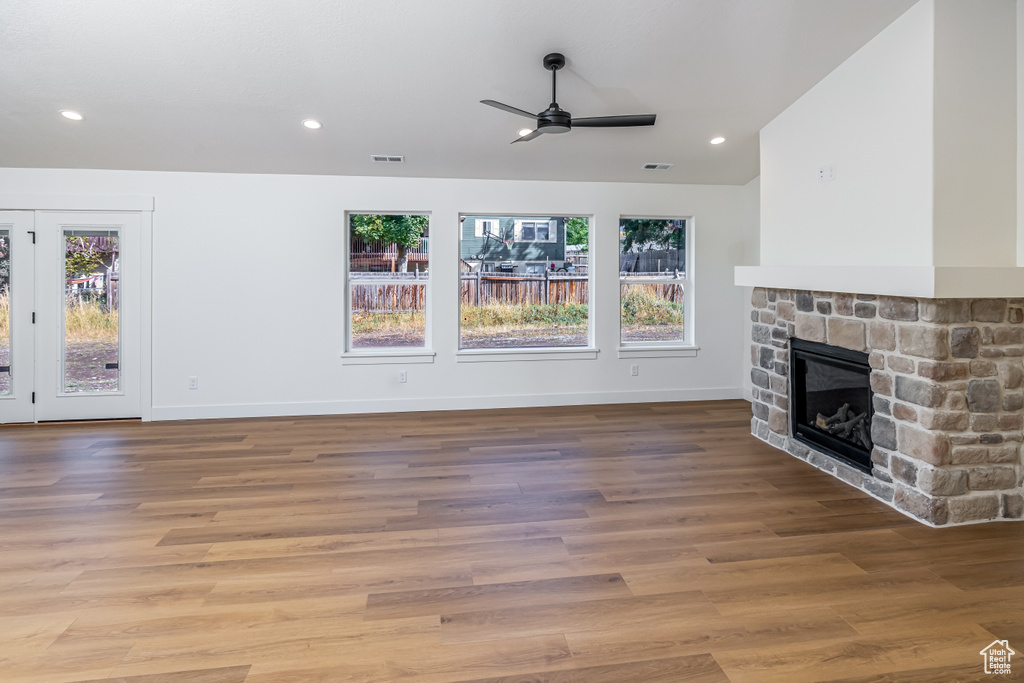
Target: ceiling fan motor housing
[[554, 120]]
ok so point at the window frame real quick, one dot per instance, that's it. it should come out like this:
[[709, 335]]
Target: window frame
[[487, 226], [520, 221], [538, 353], [387, 354], [654, 349]]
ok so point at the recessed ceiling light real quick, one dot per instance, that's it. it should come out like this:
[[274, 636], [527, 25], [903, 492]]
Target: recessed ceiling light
[[717, 141], [73, 115], [523, 132], [312, 124]]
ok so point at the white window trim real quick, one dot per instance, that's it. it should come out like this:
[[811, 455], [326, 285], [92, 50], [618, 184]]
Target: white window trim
[[383, 357], [660, 349], [387, 354], [520, 354], [638, 351]]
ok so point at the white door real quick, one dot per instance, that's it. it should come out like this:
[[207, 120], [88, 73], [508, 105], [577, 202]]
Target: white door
[[17, 338], [85, 298]]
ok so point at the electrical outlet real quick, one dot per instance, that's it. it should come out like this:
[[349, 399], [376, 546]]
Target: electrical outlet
[[826, 173], [193, 383], [403, 377], [634, 370]]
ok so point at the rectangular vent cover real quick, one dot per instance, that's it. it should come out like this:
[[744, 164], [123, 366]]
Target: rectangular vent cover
[[386, 159], [657, 167]]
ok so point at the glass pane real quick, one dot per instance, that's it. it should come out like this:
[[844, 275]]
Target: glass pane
[[517, 292], [91, 311], [389, 244], [651, 312], [388, 315], [650, 246], [5, 312]]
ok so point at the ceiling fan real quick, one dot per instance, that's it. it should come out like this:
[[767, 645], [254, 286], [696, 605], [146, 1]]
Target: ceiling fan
[[554, 119]]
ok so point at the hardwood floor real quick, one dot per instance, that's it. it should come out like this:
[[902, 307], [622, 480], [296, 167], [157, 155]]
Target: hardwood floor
[[646, 543]]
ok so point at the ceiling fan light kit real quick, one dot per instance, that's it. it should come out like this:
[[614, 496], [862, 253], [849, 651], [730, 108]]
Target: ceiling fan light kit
[[554, 119]]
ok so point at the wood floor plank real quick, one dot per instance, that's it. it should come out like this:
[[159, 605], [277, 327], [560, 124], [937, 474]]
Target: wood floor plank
[[692, 669], [809, 662], [582, 544], [701, 633], [496, 595], [226, 674], [607, 614]]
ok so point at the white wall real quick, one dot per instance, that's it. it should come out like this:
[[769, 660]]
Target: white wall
[[975, 133], [1020, 134], [921, 124], [751, 251], [246, 291], [872, 118]]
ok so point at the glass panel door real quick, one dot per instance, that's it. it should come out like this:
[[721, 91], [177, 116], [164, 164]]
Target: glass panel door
[[88, 316], [16, 329]]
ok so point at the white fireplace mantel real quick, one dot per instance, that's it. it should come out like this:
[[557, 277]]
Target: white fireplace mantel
[[925, 282]]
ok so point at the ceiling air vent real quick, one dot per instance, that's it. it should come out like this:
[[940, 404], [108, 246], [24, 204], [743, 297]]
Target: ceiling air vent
[[386, 159], [657, 167]]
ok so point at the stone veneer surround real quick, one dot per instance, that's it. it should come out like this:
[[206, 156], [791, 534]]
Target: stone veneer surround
[[948, 382]]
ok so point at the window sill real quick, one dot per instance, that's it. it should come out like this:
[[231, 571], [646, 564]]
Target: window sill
[[658, 351], [387, 357], [505, 355]]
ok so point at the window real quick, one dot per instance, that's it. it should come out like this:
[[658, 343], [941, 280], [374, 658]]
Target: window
[[654, 287], [487, 226], [536, 231], [524, 289], [388, 278]]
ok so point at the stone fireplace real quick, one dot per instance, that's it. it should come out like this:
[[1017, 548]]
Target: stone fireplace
[[946, 380]]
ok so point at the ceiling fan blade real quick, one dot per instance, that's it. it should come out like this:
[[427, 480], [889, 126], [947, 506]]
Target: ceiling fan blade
[[614, 121], [509, 108], [530, 136]]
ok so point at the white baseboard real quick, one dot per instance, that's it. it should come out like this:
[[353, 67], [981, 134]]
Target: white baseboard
[[205, 412]]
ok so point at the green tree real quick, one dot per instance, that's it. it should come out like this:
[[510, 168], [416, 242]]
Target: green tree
[[577, 232], [82, 257], [405, 232], [651, 233]]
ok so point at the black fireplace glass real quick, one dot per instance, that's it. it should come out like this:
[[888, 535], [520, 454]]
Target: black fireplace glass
[[831, 401]]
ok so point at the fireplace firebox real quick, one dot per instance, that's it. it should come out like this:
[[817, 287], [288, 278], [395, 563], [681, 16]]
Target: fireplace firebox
[[831, 401]]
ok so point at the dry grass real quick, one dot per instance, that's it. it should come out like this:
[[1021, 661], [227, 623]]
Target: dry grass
[[518, 316], [88, 321], [84, 320], [649, 305], [412, 322]]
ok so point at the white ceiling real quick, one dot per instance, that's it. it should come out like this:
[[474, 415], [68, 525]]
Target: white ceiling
[[200, 85]]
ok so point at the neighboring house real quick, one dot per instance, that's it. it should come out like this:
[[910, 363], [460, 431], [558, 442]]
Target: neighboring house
[[525, 244]]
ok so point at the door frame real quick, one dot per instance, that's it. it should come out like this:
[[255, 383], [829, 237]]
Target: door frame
[[18, 406], [144, 206]]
